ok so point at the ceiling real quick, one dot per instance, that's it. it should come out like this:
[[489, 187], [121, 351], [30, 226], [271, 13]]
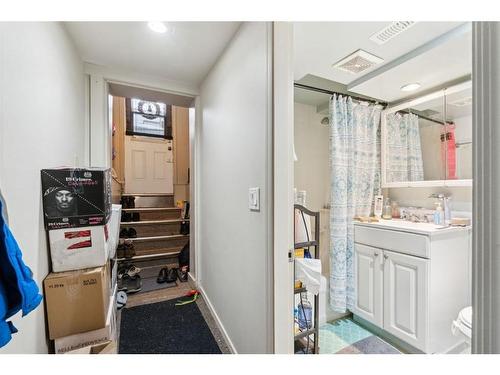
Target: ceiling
[[185, 53], [430, 53]]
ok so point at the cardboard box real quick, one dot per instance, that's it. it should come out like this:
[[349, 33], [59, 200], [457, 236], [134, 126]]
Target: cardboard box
[[76, 301], [73, 343], [79, 248], [108, 347], [76, 197]]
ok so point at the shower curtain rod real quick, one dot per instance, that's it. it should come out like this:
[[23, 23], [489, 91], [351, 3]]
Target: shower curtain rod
[[425, 117], [384, 104], [317, 89]]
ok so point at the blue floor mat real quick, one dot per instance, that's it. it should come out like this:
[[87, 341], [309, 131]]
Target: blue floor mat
[[344, 336]]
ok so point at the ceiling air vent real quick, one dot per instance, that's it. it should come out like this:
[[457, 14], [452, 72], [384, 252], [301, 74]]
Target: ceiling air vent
[[394, 29], [357, 62]]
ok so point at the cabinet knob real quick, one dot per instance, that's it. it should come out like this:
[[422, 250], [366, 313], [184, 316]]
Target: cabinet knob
[[376, 254], [386, 256]]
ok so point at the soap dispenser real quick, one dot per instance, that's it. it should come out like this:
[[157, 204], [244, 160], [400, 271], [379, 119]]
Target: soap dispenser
[[439, 214]]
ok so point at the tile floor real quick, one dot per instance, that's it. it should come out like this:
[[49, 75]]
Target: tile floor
[[344, 336]]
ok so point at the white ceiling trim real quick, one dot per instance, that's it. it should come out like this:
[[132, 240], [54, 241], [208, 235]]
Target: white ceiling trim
[[129, 78], [440, 40]]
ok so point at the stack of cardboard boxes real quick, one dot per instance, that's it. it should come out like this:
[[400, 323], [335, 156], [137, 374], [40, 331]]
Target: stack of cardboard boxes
[[83, 229]]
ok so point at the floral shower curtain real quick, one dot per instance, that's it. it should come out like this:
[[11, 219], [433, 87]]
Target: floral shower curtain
[[404, 154], [355, 179]]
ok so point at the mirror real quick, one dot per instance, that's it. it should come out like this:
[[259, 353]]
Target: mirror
[[459, 134], [420, 148]]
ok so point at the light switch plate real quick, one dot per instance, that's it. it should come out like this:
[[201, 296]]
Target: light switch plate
[[254, 199]]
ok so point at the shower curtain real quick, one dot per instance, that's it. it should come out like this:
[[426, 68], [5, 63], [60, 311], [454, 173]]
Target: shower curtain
[[355, 179], [403, 154]]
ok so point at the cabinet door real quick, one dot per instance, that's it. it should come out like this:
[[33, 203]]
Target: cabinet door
[[368, 282], [405, 298]]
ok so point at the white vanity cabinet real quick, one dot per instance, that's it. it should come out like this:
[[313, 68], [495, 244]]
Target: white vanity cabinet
[[411, 281]]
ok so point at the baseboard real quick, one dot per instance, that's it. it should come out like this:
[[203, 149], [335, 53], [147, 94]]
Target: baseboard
[[217, 320], [192, 281]]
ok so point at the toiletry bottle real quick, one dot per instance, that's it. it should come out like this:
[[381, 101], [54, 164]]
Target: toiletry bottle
[[378, 206], [439, 214], [387, 213], [396, 214]]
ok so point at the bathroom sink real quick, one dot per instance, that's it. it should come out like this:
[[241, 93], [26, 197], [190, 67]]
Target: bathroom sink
[[409, 226]]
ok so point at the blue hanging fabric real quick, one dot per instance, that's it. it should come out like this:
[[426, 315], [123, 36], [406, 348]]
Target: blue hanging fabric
[[18, 290]]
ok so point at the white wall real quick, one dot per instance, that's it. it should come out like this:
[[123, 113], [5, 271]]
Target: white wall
[[234, 243], [312, 170], [41, 125]]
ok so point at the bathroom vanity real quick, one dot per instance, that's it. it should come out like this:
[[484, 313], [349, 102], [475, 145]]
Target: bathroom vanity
[[411, 279]]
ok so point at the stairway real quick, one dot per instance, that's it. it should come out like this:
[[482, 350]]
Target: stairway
[[157, 226]]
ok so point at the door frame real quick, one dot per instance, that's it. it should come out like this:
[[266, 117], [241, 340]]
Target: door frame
[[283, 176], [486, 190], [98, 131]]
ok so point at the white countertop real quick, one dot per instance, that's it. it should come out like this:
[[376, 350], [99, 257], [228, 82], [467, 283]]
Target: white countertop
[[428, 229]]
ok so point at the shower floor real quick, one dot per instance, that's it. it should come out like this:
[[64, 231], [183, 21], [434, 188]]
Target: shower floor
[[344, 336]]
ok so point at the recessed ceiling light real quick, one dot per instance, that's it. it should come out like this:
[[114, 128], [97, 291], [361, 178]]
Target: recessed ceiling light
[[157, 27], [410, 87]]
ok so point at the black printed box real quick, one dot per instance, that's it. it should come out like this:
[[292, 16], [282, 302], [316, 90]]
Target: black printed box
[[76, 197]]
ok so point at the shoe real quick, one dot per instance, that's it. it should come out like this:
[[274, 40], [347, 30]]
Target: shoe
[[134, 284], [132, 233], [124, 202], [133, 270], [162, 275], [121, 299], [126, 217], [171, 275], [120, 285], [120, 282], [136, 216], [120, 249], [131, 202], [129, 249], [124, 233], [182, 276]]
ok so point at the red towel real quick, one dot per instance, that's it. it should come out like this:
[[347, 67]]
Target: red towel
[[449, 151]]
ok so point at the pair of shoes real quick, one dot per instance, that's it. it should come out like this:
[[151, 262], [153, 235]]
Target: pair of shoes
[[128, 233], [125, 249], [127, 202], [167, 275], [129, 251], [126, 217]]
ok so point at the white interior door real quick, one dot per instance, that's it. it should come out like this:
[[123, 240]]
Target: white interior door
[[148, 165], [368, 276], [405, 298]]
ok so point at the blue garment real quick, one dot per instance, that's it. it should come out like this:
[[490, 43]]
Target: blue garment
[[18, 290]]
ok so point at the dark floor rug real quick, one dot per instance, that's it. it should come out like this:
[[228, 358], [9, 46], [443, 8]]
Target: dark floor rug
[[163, 328]]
